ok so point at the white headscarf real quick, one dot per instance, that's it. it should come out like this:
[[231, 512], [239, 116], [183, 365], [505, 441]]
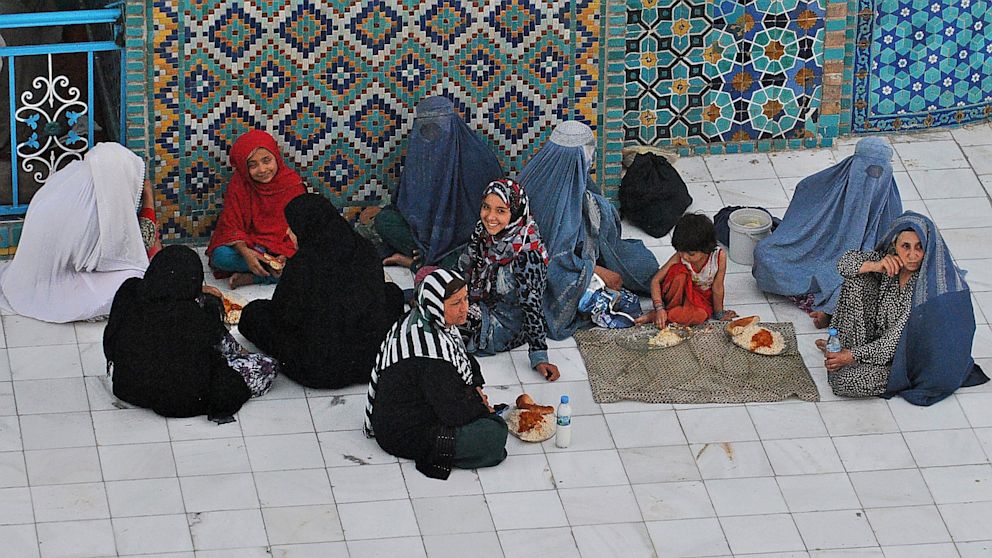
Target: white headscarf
[[80, 240]]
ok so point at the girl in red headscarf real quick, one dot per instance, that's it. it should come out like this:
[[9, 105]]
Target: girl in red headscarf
[[251, 232]]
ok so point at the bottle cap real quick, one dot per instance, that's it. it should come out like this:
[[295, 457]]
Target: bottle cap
[[832, 331], [564, 399]]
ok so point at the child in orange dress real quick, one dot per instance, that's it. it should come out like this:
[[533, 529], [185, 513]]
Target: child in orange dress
[[688, 289]]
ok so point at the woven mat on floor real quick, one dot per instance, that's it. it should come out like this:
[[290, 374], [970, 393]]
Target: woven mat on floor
[[705, 368]]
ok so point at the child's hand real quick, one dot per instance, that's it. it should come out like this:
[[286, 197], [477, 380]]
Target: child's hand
[[729, 315], [254, 261], [660, 318]]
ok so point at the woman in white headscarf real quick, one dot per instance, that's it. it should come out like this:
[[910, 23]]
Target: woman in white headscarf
[[81, 239]]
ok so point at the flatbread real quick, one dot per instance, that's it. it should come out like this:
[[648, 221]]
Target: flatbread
[[273, 262]]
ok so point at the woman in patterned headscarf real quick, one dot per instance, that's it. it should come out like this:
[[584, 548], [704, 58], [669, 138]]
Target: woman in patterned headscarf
[[425, 398], [506, 266], [905, 319]]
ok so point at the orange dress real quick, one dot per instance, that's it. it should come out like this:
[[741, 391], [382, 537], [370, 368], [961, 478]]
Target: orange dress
[[687, 293]]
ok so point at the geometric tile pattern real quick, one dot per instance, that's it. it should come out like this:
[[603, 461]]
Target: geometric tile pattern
[[336, 82], [666, 82], [700, 72], [766, 64], [922, 63]]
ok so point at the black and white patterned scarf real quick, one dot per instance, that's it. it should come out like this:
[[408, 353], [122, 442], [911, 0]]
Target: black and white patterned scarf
[[422, 333]]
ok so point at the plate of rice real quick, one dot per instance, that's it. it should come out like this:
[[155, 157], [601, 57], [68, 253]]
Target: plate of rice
[[668, 337], [748, 335], [531, 426]]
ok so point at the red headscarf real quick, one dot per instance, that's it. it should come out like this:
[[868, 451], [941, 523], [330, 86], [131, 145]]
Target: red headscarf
[[253, 212]]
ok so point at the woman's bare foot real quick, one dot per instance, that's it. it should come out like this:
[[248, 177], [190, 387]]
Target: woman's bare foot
[[398, 259], [240, 280], [820, 319], [822, 345]]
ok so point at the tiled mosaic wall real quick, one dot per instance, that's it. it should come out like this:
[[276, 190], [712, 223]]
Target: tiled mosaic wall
[[754, 75], [336, 82], [729, 71], [920, 63]]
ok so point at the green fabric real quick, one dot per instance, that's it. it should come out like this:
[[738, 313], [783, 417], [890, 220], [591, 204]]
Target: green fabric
[[480, 443], [395, 233]]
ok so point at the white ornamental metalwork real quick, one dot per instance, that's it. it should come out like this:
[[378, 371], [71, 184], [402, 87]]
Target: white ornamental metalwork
[[43, 116]]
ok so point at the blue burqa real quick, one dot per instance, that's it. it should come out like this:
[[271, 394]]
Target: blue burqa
[[933, 357], [580, 227], [846, 207], [446, 169]]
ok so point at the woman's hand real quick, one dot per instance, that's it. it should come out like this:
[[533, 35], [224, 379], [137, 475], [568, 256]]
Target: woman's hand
[[836, 361], [548, 370], [210, 290], [612, 279], [889, 265], [485, 399]]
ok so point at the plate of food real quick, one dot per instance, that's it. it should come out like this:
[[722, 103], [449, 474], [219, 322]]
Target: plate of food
[[531, 422], [232, 308], [668, 336], [748, 335]]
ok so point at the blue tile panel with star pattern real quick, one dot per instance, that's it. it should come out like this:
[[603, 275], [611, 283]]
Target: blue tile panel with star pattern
[[921, 63]]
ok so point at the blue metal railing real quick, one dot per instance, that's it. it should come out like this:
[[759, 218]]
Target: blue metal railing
[[49, 90]]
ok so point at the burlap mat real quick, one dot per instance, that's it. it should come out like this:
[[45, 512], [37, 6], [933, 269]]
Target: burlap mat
[[705, 368]]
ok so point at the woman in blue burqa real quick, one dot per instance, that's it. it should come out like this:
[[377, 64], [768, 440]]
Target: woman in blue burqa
[[905, 319], [848, 206], [447, 167], [580, 228]]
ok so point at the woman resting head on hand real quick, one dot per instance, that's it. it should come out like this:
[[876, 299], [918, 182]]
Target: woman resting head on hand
[[905, 319]]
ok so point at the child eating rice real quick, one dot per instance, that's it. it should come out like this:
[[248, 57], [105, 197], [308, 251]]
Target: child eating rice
[[688, 289]]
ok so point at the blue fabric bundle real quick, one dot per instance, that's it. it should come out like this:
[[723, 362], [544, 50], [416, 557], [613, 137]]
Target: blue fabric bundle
[[933, 357], [579, 226], [446, 169], [846, 207]]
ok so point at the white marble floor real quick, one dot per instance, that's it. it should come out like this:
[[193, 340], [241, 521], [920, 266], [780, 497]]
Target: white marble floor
[[83, 475]]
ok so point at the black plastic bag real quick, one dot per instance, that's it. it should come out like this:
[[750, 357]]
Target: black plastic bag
[[652, 195]]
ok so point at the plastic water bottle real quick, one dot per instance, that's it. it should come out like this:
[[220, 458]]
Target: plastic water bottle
[[563, 435], [833, 342]]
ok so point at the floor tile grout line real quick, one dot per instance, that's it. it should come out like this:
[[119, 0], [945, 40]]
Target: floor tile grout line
[[27, 478], [416, 520]]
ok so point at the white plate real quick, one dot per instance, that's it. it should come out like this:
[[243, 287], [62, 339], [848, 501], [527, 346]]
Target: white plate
[[537, 435]]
